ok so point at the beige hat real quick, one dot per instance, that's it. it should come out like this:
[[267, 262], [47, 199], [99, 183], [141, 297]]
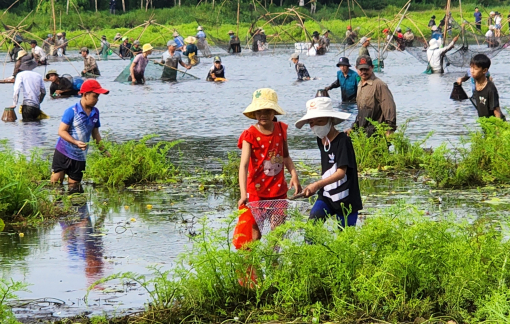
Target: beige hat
[[59, 34], [264, 98], [230, 32], [190, 40], [321, 107], [147, 47], [21, 54], [199, 28], [175, 34], [51, 72]]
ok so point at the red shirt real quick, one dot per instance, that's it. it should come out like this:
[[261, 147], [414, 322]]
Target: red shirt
[[265, 172]]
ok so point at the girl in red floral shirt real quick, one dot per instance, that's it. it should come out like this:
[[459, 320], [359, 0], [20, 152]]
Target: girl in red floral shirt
[[265, 152]]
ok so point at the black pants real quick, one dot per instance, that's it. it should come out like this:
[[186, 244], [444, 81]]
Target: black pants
[[138, 78], [30, 113]]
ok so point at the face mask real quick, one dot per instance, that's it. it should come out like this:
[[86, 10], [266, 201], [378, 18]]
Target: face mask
[[322, 132]]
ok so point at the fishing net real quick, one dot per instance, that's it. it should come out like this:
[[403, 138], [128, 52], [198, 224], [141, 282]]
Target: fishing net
[[271, 213], [157, 71], [471, 42]]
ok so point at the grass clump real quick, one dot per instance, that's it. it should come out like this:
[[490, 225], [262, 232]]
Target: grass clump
[[482, 158], [23, 185], [132, 162], [397, 267]]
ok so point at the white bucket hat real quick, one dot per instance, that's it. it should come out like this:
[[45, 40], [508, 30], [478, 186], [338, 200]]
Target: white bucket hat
[[433, 44], [321, 107]]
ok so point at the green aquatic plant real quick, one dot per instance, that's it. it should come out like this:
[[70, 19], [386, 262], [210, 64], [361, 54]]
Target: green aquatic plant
[[8, 289], [132, 162], [399, 266]]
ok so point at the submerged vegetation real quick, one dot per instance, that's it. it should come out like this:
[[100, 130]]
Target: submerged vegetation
[[399, 266], [131, 162]]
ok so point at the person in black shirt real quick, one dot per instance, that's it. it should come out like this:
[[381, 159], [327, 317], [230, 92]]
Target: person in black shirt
[[485, 96], [302, 72], [432, 21], [234, 43], [60, 86], [217, 71], [338, 190], [125, 48]]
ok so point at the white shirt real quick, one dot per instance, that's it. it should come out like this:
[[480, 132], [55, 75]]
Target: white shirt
[[498, 20], [489, 34], [434, 56], [40, 52], [33, 86]]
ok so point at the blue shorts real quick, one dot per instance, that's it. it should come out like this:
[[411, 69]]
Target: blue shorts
[[497, 26], [321, 209]]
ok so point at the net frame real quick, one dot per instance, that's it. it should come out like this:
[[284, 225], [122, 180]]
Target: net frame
[[269, 214]]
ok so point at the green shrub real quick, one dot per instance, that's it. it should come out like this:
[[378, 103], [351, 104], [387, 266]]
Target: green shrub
[[398, 266], [132, 162]]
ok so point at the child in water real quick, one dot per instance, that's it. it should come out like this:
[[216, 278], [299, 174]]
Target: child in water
[[217, 71], [338, 189], [302, 72], [485, 94], [265, 153]]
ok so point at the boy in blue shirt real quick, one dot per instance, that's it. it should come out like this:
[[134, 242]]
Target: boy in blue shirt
[[79, 122], [347, 80]]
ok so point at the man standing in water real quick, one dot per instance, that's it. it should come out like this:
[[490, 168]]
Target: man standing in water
[[478, 18], [347, 80], [90, 68], [78, 123], [170, 60], [374, 99], [33, 90], [364, 42]]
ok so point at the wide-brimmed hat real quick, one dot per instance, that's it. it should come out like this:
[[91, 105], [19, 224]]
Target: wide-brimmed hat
[[21, 54], [51, 72], [147, 47], [59, 34], [433, 44], [315, 33], [190, 40], [199, 28], [264, 98], [175, 34], [434, 28], [364, 39], [364, 62], [27, 63], [325, 31], [343, 61], [230, 32], [321, 107]]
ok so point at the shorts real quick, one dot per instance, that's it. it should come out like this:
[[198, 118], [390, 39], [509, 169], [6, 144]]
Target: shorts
[[73, 168], [138, 79], [498, 26]]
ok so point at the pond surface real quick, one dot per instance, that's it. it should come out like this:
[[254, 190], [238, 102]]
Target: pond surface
[[129, 230]]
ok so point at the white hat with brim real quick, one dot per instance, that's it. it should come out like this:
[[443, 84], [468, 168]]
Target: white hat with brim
[[263, 99], [321, 107], [21, 54]]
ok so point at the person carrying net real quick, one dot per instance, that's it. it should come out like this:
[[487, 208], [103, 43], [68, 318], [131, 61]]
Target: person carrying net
[[264, 155], [338, 190]]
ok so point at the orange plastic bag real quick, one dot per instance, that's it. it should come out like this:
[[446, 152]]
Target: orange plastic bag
[[243, 231]]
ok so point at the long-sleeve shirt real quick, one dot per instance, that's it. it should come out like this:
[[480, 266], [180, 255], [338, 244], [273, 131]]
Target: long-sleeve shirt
[[234, 45], [434, 57], [348, 84], [39, 54], [375, 101], [33, 88], [90, 65]]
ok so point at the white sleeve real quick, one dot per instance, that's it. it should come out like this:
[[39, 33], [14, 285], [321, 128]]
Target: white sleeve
[[17, 87]]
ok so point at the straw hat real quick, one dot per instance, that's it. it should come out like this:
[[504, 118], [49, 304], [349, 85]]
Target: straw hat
[[190, 40], [147, 47], [264, 98], [230, 32], [175, 34], [321, 107], [51, 72], [21, 54], [199, 28], [59, 34]]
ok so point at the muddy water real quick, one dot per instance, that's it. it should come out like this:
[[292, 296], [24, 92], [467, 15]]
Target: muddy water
[[130, 230]]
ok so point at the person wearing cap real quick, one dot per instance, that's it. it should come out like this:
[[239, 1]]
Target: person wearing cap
[[13, 53], [374, 99], [256, 38], [325, 39], [136, 48], [38, 53], [234, 44], [59, 44], [171, 59], [436, 33], [347, 80], [117, 37], [364, 42], [125, 48], [264, 154], [21, 54], [401, 46], [435, 54], [432, 21], [217, 71], [350, 36], [78, 124], [338, 190], [33, 89], [105, 48], [302, 72], [408, 37], [60, 86], [137, 68], [191, 50], [90, 68], [490, 37], [179, 41]]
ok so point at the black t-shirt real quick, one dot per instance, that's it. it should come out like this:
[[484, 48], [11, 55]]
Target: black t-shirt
[[64, 84], [346, 190], [486, 100]]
